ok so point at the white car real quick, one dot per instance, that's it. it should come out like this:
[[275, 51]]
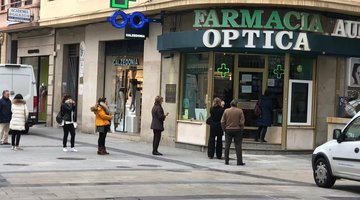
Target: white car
[[340, 157]]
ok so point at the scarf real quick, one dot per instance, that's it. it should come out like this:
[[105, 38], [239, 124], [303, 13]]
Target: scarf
[[105, 107]]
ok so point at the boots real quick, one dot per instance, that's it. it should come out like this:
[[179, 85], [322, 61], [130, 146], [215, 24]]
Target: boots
[[105, 152], [101, 151]]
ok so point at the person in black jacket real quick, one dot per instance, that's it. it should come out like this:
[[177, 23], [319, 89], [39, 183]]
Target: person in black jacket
[[265, 119], [5, 117], [68, 113], [216, 132], [157, 123]]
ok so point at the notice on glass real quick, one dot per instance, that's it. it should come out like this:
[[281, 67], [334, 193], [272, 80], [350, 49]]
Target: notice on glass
[[271, 82], [246, 89], [246, 78]]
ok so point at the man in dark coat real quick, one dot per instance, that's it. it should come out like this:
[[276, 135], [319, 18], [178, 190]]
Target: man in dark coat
[[157, 123], [265, 119], [5, 117]]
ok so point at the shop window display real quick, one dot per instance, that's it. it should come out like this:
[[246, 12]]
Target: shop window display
[[195, 76], [123, 84]]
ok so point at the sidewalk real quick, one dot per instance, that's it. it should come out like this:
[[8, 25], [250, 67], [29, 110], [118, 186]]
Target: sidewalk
[[44, 171]]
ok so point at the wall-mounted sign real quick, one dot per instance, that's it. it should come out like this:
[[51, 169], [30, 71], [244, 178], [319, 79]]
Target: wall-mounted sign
[[139, 33], [285, 30], [279, 71], [223, 70], [137, 20], [118, 61], [19, 15], [124, 4]]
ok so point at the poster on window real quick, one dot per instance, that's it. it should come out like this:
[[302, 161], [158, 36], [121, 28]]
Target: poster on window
[[353, 66]]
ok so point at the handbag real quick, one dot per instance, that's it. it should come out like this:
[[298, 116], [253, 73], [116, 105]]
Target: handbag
[[59, 117], [257, 110]]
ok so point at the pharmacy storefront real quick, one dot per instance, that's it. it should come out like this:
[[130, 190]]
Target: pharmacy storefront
[[299, 56]]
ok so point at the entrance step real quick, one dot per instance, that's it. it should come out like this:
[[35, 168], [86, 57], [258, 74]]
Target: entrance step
[[249, 147]]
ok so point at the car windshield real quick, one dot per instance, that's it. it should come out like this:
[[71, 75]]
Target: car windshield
[[353, 131]]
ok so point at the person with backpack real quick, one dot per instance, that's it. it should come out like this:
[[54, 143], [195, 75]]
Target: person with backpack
[[18, 120], [68, 108], [265, 104]]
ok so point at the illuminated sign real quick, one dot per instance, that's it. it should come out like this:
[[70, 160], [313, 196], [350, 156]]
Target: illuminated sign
[[137, 20], [121, 4], [279, 71], [223, 70]]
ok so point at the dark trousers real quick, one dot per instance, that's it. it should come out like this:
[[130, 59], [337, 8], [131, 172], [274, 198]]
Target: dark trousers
[[215, 138], [69, 128], [15, 137], [238, 137], [261, 133], [156, 140], [101, 140]]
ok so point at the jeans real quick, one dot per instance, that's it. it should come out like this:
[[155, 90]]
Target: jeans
[[101, 140], [156, 141], [238, 137], [4, 132], [69, 128], [15, 137]]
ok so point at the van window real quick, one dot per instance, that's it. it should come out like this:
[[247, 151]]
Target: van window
[[352, 132]]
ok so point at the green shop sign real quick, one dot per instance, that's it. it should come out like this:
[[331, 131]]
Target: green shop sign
[[284, 30]]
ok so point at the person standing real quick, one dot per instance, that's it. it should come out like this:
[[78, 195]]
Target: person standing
[[18, 120], [216, 132], [103, 121], [265, 118], [232, 123], [5, 117], [68, 107], [157, 123]]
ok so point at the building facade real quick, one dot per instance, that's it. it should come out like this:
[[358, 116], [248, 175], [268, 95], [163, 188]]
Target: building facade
[[300, 51]]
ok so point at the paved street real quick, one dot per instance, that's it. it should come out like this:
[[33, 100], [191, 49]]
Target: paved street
[[44, 171]]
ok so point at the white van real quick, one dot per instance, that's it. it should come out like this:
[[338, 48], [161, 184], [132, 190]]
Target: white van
[[20, 79], [340, 157]]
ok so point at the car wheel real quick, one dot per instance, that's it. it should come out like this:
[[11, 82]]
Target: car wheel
[[322, 174]]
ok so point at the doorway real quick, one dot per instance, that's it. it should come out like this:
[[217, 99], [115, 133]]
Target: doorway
[[41, 71]]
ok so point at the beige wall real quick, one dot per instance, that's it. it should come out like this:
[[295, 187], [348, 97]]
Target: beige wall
[[62, 13], [330, 85]]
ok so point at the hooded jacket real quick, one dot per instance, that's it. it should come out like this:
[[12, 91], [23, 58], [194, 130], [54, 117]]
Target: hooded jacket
[[102, 114], [20, 114]]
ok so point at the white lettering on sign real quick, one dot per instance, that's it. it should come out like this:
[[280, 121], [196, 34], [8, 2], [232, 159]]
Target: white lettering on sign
[[125, 61], [283, 40], [346, 28]]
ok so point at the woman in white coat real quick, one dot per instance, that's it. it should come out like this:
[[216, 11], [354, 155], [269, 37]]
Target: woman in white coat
[[18, 120]]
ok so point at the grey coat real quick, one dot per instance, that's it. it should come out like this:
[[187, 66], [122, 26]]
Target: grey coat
[[158, 117]]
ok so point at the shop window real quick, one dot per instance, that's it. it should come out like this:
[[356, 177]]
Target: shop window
[[251, 61], [223, 77], [15, 3], [2, 6], [275, 85], [28, 2], [301, 68], [300, 106], [195, 76]]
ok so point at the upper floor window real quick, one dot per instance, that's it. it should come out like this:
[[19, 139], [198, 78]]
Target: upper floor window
[[2, 6], [28, 2], [15, 3]]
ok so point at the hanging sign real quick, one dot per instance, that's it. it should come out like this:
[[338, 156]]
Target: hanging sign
[[19, 15]]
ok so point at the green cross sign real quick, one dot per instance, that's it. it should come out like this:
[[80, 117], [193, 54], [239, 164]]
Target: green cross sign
[[223, 70], [120, 4], [279, 71]]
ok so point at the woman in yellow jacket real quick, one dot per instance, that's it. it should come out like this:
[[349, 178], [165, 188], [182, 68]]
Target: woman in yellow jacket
[[103, 121]]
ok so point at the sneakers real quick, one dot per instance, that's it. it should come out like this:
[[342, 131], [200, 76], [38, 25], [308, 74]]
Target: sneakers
[[13, 148], [18, 149], [65, 149], [73, 150]]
